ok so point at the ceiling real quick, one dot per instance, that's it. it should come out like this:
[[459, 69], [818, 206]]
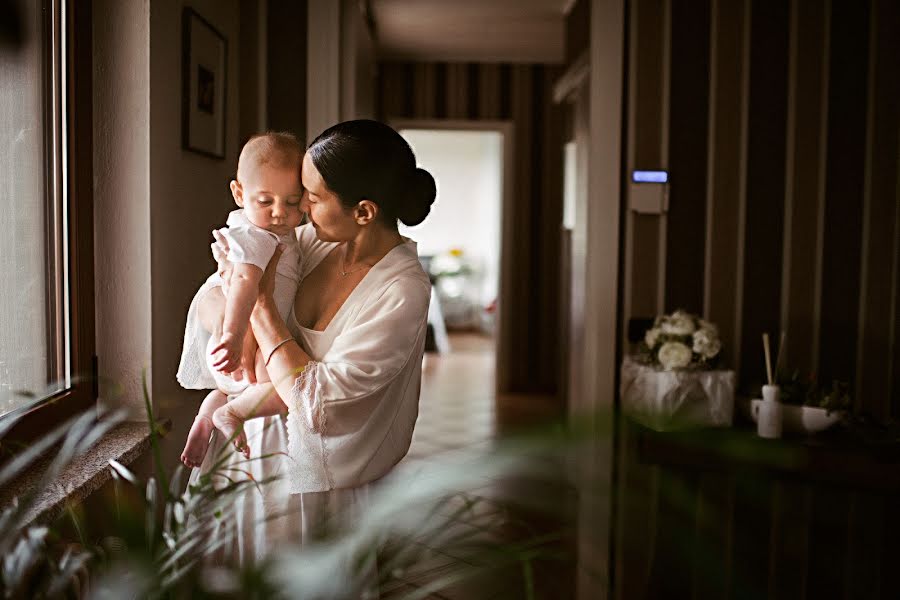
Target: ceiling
[[531, 31]]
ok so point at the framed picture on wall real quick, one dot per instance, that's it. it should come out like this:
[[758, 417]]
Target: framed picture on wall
[[204, 64]]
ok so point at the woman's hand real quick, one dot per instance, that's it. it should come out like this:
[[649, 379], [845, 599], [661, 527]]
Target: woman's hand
[[267, 282], [248, 357], [220, 254]]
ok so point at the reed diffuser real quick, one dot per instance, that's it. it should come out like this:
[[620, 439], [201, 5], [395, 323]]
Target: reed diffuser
[[770, 417]]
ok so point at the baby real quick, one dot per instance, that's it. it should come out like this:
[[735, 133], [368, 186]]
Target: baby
[[268, 192]]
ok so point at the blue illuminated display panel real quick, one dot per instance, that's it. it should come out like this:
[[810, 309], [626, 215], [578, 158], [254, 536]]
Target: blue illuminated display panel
[[650, 176]]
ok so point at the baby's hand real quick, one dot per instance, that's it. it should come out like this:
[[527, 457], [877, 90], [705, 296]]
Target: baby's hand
[[230, 346]]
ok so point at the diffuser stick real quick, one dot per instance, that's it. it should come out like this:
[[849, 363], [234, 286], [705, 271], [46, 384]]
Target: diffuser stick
[[779, 356], [768, 358]]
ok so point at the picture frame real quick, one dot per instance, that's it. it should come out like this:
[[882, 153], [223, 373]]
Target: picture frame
[[204, 70]]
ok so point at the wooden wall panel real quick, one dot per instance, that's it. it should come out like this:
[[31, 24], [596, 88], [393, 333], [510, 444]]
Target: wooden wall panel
[[789, 547], [672, 565], [712, 565], [488, 91], [392, 95], [894, 381], [725, 191], [521, 94], [765, 177], [826, 567], [844, 187], [523, 291], [880, 202], [688, 116], [649, 97], [865, 546], [688, 528], [547, 222], [805, 188], [425, 93], [645, 258], [750, 543]]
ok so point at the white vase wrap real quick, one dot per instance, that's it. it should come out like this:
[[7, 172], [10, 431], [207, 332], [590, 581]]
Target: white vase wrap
[[665, 400]]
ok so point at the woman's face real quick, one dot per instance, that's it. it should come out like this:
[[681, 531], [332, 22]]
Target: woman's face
[[332, 222]]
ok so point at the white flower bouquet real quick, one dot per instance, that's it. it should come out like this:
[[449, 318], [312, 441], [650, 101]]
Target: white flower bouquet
[[680, 341], [672, 381]]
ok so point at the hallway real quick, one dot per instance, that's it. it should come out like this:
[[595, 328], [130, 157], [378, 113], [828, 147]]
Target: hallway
[[460, 414]]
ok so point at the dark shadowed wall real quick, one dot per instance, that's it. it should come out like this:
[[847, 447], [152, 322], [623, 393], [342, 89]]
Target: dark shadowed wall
[[520, 94], [778, 122]]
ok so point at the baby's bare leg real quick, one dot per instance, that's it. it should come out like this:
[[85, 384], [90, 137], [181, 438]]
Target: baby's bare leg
[[260, 400], [198, 438]]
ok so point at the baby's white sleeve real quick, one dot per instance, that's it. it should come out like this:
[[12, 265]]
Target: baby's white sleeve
[[249, 246]]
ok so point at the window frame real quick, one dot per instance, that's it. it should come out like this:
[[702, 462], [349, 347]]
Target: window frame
[[67, 23]]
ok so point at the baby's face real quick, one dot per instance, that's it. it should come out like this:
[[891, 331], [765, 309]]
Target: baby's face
[[270, 198]]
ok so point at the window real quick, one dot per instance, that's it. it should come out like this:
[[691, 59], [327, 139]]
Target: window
[[46, 274]]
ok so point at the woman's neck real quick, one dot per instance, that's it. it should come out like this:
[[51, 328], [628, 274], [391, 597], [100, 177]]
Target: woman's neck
[[370, 245]]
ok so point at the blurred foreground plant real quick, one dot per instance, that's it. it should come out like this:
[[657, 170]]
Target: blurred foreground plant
[[165, 541]]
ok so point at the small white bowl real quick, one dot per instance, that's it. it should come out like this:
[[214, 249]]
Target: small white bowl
[[802, 419]]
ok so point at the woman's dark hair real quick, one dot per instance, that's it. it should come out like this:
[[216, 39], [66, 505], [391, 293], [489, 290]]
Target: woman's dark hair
[[367, 160]]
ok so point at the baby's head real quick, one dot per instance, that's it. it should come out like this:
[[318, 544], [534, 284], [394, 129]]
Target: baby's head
[[268, 181]]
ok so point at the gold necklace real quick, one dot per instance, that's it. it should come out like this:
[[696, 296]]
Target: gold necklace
[[344, 271]]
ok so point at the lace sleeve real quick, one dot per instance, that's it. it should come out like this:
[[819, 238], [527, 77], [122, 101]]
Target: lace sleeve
[[306, 443]]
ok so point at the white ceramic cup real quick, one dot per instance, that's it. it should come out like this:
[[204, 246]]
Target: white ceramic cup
[[769, 415]]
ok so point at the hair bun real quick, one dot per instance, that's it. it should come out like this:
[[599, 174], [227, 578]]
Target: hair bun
[[421, 192]]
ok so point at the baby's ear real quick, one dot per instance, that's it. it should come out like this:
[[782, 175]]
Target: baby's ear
[[237, 192]]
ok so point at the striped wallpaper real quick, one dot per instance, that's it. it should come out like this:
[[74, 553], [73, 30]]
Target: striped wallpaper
[[780, 126], [529, 346], [778, 122]]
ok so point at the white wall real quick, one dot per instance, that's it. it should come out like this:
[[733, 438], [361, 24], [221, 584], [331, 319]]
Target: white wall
[[122, 269], [468, 168]]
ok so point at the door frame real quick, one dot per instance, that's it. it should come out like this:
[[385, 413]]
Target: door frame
[[507, 208], [596, 82]]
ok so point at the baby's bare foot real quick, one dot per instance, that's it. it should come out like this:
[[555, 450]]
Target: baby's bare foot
[[232, 426], [197, 442]]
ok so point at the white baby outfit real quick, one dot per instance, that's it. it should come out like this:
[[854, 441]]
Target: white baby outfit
[[247, 244]]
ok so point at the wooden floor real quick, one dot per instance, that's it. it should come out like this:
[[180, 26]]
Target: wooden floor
[[461, 413]]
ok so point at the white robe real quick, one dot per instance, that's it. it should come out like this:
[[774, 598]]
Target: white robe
[[351, 412]]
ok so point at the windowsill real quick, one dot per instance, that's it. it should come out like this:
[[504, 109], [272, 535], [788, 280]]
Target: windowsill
[[84, 475]]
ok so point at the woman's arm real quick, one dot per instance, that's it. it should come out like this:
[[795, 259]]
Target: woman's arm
[[284, 358]]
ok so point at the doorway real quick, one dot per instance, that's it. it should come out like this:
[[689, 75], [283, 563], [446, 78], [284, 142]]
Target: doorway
[[461, 241]]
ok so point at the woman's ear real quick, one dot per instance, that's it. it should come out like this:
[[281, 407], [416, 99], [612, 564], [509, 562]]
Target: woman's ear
[[365, 212], [237, 192]]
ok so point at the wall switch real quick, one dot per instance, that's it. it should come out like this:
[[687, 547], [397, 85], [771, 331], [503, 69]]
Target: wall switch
[[648, 192]]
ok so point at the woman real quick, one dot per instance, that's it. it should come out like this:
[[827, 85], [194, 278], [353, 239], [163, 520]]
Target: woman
[[356, 338]]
